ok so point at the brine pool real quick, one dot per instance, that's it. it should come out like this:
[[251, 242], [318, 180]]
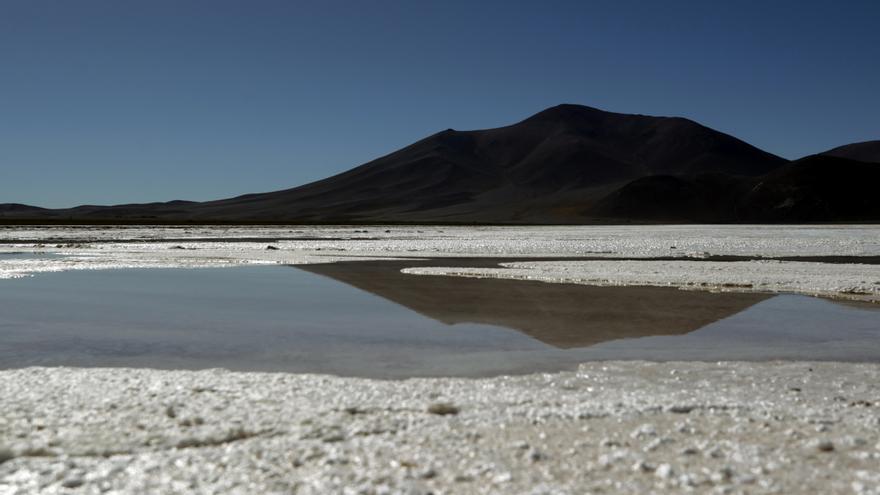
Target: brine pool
[[367, 319]]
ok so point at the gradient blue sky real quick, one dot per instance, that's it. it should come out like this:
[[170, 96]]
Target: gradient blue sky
[[116, 101]]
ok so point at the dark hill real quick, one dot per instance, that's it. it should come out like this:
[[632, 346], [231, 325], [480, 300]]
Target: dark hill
[[20, 209], [817, 188], [547, 168], [554, 167], [567, 164], [868, 151]]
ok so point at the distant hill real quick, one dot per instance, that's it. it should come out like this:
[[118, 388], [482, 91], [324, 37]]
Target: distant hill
[[16, 209], [868, 151], [817, 188], [566, 164]]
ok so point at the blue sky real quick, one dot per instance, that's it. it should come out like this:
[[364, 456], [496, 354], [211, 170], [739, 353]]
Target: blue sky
[[116, 101]]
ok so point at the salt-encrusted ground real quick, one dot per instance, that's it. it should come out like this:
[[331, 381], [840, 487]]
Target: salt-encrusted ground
[[851, 281], [629, 241], [198, 247], [614, 427]]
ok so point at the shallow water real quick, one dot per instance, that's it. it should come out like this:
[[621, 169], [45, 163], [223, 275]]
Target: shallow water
[[345, 319], [24, 255]]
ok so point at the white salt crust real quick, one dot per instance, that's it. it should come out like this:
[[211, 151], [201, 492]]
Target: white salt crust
[[612, 427], [206, 246], [849, 281]]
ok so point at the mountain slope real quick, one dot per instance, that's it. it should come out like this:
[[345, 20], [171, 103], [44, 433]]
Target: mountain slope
[[867, 151], [552, 167], [817, 188], [20, 209], [705, 198], [564, 157], [566, 164]]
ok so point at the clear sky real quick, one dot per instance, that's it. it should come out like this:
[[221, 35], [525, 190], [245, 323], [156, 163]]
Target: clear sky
[[128, 101]]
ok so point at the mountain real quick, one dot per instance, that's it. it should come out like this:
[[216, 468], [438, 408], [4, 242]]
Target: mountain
[[553, 167], [20, 209], [567, 164], [548, 168], [868, 151]]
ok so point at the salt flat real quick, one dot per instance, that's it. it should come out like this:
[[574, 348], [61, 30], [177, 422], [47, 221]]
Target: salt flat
[[609, 427], [200, 247], [631, 241], [612, 427], [850, 281]]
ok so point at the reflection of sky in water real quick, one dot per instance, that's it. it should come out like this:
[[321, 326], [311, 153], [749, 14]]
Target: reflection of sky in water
[[271, 318], [782, 327]]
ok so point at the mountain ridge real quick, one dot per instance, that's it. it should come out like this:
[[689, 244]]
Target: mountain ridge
[[566, 164], [865, 151]]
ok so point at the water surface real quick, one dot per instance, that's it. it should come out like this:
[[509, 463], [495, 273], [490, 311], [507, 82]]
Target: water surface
[[369, 320]]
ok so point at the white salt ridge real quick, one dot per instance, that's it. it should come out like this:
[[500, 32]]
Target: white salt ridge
[[132, 256], [99, 248], [17, 268], [851, 281], [629, 241]]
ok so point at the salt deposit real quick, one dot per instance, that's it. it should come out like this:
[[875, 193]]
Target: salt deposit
[[850, 281], [205, 246], [629, 241], [615, 427], [612, 427]]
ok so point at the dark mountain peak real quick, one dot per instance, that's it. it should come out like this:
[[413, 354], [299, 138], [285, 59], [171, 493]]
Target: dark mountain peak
[[566, 112], [673, 139], [573, 114], [867, 151]]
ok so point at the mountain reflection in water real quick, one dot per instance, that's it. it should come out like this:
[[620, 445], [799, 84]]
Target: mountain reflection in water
[[561, 315]]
